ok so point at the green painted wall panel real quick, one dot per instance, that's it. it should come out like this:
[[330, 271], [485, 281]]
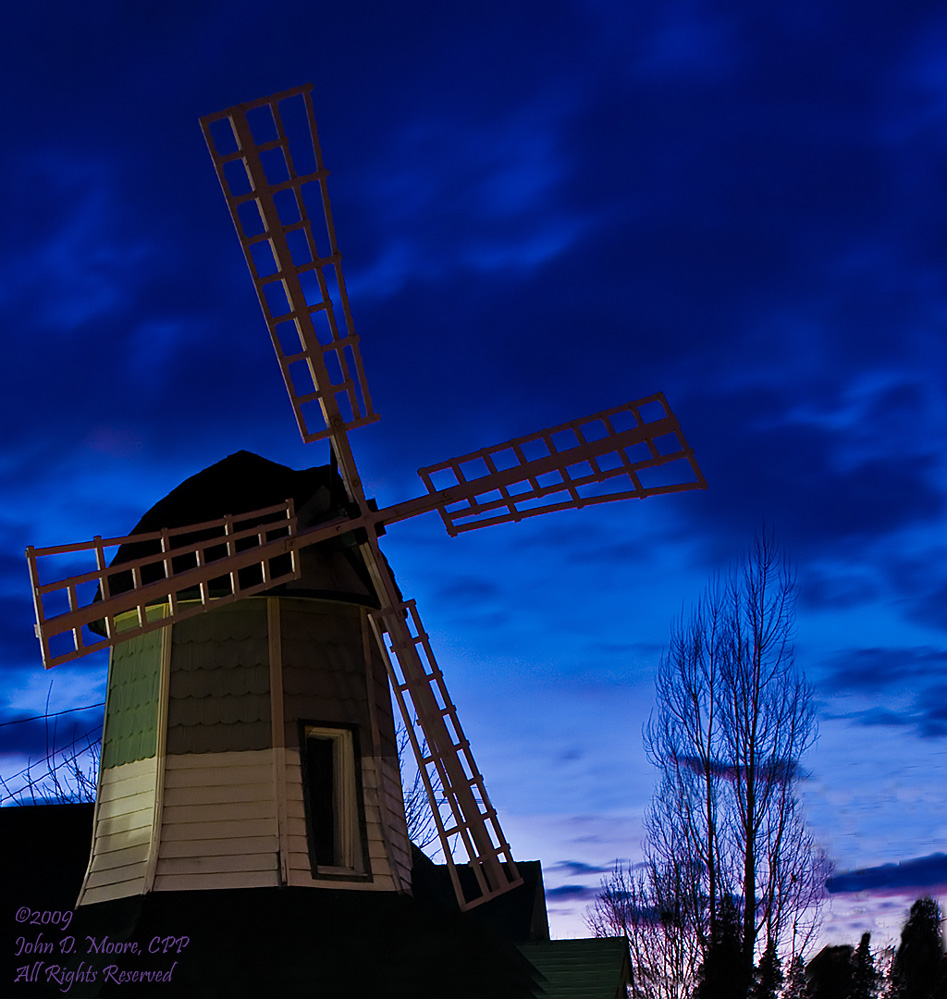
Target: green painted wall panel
[[131, 727]]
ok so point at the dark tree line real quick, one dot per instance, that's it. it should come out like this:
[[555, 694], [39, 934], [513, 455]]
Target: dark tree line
[[916, 970]]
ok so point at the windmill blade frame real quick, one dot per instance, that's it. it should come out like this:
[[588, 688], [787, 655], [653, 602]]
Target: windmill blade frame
[[626, 452], [267, 187], [426, 707], [176, 578]]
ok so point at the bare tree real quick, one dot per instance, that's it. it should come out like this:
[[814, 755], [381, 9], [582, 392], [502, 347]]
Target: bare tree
[[422, 830], [734, 718], [684, 742], [66, 775], [648, 906]]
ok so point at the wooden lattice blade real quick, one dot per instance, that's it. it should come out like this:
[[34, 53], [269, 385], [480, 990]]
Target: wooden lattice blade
[[232, 558], [630, 451], [464, 816], [270, 167]]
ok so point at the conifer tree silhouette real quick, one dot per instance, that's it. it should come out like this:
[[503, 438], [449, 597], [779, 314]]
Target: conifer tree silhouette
[[918, 968], [865, 977], [722, 974], [769, 974], [796, 979]]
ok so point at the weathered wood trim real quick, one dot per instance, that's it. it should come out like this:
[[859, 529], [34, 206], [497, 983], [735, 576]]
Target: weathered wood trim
[[302, 878]]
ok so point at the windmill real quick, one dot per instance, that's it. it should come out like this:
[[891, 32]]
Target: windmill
[[162, 576]]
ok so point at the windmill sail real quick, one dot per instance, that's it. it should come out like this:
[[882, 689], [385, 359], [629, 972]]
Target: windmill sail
[[630, 451], [273, 182], [465, 816], [178, 569]]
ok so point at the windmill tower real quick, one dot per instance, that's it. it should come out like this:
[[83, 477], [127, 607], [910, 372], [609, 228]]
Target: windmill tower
[[254, 745], [253, 620]]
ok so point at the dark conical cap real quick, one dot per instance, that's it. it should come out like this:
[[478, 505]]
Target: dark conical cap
[[239, 483]]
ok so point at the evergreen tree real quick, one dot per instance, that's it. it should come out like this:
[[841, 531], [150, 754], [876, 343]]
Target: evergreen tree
[[918, 968], [829, 973], [865, 977], [722, 974], [768, 976], [795, 987]]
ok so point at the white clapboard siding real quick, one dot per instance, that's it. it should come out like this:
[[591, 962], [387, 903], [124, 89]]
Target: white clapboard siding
[[106, 893], [218, 822], [392, 798], [131, 823], [211, 830], [123, 857], [124, 819], [119, 788], [217, 864], [377, 853], [182, 771], [369, 780], [226, 816], [197, 882], [218, 794], [219, 847], [113, 876]]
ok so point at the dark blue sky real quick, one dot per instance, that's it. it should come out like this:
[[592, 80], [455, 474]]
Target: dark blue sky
[[544, 210]]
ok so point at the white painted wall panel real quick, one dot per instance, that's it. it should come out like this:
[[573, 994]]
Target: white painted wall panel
[[218, 821], [122, 826]]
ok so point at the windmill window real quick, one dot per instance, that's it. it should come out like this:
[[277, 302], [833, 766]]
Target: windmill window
[[334, 812]]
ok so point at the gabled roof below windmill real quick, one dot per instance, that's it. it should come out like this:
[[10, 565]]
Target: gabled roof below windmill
[[598, 968]]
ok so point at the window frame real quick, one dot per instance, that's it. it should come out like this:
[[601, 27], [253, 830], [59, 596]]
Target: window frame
[[350, 834]]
